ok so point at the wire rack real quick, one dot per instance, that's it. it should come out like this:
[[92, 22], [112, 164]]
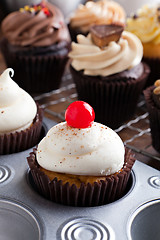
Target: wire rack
[[135, 133]]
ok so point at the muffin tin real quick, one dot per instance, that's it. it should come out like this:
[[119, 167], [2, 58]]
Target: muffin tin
[[24, 214]]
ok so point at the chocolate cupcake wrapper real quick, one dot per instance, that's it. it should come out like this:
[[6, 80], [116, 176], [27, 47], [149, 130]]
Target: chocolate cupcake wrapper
[[36, 74], [154, 118], [154, 64], [114, 102], [20, 141], [86, 195]]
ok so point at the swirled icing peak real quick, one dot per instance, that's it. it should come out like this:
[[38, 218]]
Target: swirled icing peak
[[114, 58], [146, 24], [17, 108], [40, 26], [94, 151], [8, 88], [100, 12]]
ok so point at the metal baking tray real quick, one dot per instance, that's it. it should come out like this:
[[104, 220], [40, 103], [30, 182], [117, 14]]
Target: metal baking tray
[[24, 214]]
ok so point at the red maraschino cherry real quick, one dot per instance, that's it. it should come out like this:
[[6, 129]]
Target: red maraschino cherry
[[79, 114]]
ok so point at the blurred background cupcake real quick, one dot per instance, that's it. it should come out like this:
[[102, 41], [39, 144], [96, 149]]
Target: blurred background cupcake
[[99, 12], [145, 24], [35, 44], [108, 73], [152, 97], [20, 117]]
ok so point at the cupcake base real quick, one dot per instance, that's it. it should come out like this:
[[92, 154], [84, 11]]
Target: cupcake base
[[95, 194], [154, 118], [37, 70], [20, 141], [113, 98]]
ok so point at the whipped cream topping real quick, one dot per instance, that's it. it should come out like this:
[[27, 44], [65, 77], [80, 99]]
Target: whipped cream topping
[[94, 151], [114, 58], [146, 24], [100, 12], [17, 108]]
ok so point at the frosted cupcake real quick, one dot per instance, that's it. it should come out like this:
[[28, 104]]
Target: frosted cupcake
[[107, 70], [20, 117], [146, 25], [152, 97], [81, 162], [35, 44], [99, 12]]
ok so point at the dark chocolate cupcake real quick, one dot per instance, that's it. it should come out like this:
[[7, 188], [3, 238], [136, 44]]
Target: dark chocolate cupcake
[[108, 73], [99, 12], [152, 97], [81, 166], [20, 117], [35, 44]]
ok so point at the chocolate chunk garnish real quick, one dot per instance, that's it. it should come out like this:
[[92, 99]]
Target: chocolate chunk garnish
[[102, 35]]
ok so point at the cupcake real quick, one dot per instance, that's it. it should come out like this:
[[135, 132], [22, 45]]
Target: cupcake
[[107, 70], [146, 25], [35, 44], [99, 12], [20, 117], [81, 162], [152, 97]]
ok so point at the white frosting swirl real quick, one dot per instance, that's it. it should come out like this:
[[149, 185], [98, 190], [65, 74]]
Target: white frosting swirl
[[114, 58], [94, 151], [17, 108]]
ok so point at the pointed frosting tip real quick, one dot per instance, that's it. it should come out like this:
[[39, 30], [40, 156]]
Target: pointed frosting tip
[[8, 72]]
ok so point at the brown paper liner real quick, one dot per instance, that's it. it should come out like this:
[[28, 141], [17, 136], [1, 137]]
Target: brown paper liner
[[154, 64], [154, 118], [114, 102], [36, 74], [20, 141], [89, 194]]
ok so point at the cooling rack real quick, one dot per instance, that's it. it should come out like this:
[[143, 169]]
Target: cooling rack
[[134, 133]]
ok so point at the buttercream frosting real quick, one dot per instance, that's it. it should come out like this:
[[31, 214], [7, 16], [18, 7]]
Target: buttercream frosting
[[17, 107], [27, 29], [100, 12], [146, 24], [95, 151], [114, 58], [157, 87]]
